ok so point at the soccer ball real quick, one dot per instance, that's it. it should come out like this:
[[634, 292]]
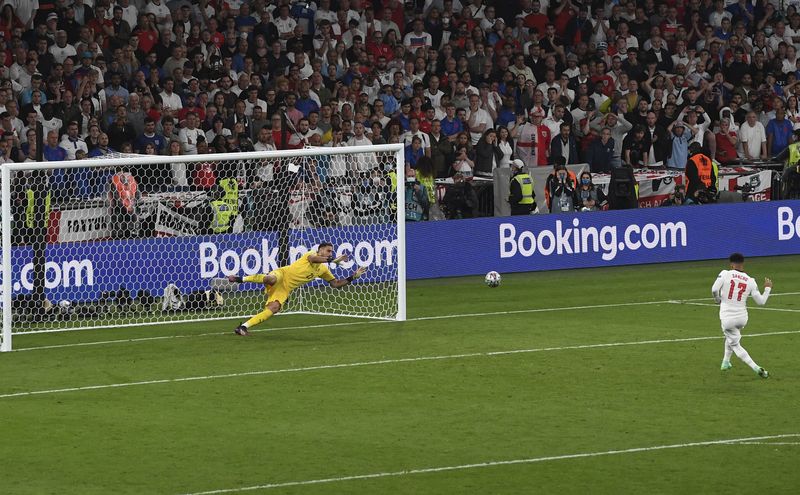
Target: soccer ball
[[492, 279]]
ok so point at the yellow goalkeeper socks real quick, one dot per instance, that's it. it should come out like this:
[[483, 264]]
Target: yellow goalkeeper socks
[[259, 318]]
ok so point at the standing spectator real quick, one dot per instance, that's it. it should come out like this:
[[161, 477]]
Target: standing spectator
[[681, 137], [506, 144], [72, 142], [149, 136], [417, 38], [487, 154], [727, 140], [660, 142], [413, 152], [779, 133], [451, 125], [561, 188], [564, 146], [753, 137], [600, 155], [441, 150], [121, 131], [634, 148], [478, 119], [189, 134]]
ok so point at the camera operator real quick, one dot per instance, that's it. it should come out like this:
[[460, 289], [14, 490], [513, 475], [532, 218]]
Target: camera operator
[[460, 200], [416, 198], [700, 175], [677, 198]]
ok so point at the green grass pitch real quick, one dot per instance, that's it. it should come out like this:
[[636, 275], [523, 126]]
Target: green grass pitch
[[615, 388]]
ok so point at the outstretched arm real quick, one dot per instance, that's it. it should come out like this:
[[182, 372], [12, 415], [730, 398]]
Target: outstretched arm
[[341, 282]]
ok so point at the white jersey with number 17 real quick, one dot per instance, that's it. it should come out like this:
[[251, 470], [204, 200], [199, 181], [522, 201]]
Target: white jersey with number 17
[[731, 290]]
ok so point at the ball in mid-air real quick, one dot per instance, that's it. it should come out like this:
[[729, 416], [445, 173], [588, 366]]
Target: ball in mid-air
[[492, 279]]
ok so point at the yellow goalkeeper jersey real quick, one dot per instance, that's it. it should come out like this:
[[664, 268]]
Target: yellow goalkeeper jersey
[[303, 271]]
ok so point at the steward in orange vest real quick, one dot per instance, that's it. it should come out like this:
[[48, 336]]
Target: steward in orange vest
[[700, 173]]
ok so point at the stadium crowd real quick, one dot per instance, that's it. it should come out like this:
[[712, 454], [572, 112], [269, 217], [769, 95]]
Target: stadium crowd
[[469, 86]]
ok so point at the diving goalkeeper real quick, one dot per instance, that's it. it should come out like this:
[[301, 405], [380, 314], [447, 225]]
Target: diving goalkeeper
[[281, 282]]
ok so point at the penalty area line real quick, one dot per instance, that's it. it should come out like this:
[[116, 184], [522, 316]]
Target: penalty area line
[[360, 364], [488, 464]]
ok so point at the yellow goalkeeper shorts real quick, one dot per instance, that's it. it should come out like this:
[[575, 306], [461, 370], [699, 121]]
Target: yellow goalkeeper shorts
[[278, 292]]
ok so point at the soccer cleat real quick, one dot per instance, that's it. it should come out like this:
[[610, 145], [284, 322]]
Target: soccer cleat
[[763, 373], [241, 330], [726, 365]]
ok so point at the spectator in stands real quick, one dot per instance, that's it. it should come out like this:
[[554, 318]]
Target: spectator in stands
[[72, 142], [681, 137], [563, 145], [727, 140], [753, 138], [561, 188], [634, 148], [589, 197], [487, 154], [600, 155], [414, 152], [779, 133]]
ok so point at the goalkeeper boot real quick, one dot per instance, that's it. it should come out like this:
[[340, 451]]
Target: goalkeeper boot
[[726, 365], [241, 330], [762, 373]]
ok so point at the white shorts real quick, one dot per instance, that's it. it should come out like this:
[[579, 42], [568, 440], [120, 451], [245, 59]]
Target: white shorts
[[732, 328]]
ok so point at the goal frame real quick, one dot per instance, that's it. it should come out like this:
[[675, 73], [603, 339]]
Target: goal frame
[[398, 151]]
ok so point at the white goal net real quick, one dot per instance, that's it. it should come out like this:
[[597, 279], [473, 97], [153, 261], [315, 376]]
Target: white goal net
[[146, 240]]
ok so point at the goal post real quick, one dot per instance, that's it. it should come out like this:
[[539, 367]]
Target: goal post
[[145, 240]]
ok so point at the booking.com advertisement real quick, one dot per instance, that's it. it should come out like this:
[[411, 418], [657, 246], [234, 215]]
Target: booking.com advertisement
[[581, 240], [82, 271]]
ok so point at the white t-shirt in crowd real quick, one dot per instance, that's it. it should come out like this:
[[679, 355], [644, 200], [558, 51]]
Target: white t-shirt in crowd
[[752, 137]]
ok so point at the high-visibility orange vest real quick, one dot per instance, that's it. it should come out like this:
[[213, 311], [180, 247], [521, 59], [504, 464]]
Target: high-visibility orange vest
[[705, 169], [125, 187]]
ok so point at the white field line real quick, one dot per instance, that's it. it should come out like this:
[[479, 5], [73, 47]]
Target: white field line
[[359, 364], [767, 443], [762, 308], [463, 467], [373, 322]]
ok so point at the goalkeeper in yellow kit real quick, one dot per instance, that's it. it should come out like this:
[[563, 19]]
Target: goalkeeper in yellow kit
[[281, 282]]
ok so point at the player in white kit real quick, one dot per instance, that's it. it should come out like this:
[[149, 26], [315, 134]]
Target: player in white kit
[[731, 290]]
